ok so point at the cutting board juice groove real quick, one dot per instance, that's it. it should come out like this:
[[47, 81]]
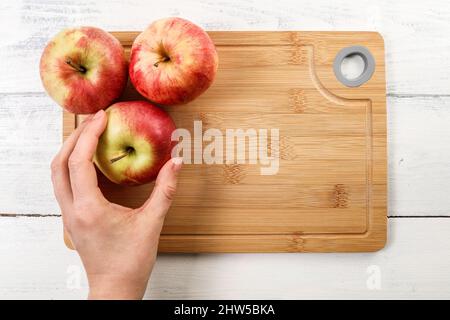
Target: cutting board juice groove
[[329, 194]]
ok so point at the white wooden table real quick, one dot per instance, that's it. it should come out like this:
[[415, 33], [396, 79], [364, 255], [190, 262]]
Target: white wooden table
[[416, 261]]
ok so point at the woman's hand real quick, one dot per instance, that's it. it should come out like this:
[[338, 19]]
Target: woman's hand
[[117, 245]]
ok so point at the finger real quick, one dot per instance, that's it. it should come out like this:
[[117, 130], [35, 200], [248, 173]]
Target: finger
[[83, 178], [60, 170], [165, 188]]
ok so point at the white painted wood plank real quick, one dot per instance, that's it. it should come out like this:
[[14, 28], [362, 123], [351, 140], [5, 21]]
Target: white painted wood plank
[[414, 264], [414, 31], [30, 135], [418, 156], [418, 131], [36, 265]]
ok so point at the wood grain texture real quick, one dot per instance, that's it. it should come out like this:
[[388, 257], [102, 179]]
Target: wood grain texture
[[232, 207], [413, 265]]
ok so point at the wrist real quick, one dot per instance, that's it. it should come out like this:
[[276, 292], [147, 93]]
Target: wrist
[[116, 288]]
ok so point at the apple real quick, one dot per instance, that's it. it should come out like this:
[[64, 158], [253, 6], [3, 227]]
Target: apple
[[84, 69], [172, 62], [135, 144]]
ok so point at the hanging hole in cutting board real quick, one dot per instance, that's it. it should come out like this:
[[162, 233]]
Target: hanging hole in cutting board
[[354, 66]]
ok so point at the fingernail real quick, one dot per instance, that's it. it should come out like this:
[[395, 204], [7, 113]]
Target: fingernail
[[177, 162], [98, 114]]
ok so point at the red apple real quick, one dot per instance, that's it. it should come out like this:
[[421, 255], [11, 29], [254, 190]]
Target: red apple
[[84, 69], [135, 144], [173, 61]]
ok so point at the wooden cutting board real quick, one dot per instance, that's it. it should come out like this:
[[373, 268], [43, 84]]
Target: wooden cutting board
[[329, 194]]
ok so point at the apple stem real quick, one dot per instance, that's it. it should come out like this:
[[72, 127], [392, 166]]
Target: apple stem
[[164, 59], [119, 157], [76, 66]]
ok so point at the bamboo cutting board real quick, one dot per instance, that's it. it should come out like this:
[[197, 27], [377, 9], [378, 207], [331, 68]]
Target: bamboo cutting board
[[329, 194]]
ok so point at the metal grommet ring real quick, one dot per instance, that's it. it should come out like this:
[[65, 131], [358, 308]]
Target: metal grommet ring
[[369, 65]]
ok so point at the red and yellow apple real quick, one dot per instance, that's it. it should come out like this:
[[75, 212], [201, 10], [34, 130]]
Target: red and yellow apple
[[173, 61], [84, 69], [135, 144]]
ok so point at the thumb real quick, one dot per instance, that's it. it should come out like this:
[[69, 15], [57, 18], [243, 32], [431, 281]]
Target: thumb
[[164, 191]]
